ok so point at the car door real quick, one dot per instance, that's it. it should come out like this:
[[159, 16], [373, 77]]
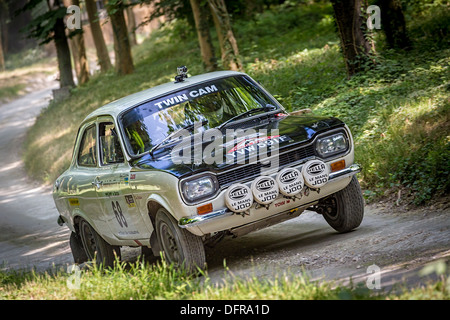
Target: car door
[[82, 196], [114, 191]]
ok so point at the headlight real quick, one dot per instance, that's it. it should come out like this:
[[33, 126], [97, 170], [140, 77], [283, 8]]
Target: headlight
[[199, 188], [331, 145]]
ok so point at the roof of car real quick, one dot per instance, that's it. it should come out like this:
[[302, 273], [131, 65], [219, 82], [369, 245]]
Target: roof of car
[[117, 106]]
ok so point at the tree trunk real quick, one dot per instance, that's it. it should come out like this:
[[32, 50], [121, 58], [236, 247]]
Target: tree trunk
[[102, 52], [4, 15], [124, 60], [355, 47], [2, 58], [393, 24], [201, 13], [131, 24], [227, 41], [79, 53], [62, 51]]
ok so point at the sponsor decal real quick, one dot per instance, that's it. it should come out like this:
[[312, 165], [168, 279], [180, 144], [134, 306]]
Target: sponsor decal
[[238, 198], [315, 173], [130, 201], [316, 168], [290, 181], [238, 193], [251, 144], [265, 189], [74, 202], [282, 203], [112, 194], [186, 96]]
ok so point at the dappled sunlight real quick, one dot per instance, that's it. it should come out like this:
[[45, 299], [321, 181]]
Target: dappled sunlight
[[63, 159], [10, 166], [50, 137]]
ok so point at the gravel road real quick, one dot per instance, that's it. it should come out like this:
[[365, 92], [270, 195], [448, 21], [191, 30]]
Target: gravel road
[[399, 243], [29, 235]]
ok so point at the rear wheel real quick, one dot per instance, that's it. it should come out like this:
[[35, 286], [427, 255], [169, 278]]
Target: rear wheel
[[76, 246], [96, 247], [180, 247], [344, 210]]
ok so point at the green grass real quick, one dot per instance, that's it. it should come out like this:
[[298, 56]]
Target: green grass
[[141, 281], [9, 92], [398, 111], [24, 70]]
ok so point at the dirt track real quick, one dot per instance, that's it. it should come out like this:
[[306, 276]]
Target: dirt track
[[400, 243]]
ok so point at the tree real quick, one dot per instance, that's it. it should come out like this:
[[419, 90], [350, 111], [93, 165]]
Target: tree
[[124, 60], [131, 23], [78, 50], [201, 13], [2, 58], [3, 10], [102, 52], [48, 27], [351, 25], [228, 44], [393, 24]]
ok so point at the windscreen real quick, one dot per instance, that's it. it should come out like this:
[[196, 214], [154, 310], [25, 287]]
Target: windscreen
[[214, 101]]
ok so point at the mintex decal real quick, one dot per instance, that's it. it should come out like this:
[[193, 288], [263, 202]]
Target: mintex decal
[[251, 144]]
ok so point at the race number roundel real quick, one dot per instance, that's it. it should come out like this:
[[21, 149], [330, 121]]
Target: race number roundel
[[290, 181], [265, 189], [315, 173], [238, 197]]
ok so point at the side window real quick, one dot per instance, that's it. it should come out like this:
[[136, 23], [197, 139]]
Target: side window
[[110, 150], [87, 154]]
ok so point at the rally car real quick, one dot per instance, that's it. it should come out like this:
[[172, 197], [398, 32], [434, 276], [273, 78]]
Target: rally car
[[184, 164]]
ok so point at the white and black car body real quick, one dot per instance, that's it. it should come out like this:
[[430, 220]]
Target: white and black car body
[[185, 163]]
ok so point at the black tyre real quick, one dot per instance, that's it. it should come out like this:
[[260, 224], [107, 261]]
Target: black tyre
[[180, 247], [344, 210], [96, 247], [76, 246]]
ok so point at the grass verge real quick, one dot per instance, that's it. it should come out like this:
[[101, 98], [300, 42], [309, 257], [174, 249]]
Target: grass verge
[[141, 281], [25, 72]]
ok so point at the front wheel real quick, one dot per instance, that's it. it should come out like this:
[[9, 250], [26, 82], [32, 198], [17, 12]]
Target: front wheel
[[180, 247], [344, 210]]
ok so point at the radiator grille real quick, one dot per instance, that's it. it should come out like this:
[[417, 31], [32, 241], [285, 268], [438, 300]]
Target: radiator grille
[[249, 170]]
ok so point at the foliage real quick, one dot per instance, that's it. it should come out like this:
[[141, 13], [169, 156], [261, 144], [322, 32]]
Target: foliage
[[397, 111], [42, 26]]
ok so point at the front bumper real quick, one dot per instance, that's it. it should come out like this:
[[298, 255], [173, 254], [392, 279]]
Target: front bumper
[[197, 220]]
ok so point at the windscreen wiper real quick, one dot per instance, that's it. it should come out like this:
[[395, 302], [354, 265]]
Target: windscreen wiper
[[267, 108], [170, 136]]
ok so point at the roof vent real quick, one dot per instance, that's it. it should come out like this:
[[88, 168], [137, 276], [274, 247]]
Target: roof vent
[[182, 74]]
